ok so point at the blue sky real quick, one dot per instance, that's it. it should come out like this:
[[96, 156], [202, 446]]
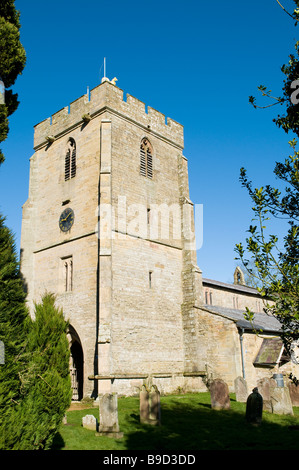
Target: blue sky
[[195, 61]]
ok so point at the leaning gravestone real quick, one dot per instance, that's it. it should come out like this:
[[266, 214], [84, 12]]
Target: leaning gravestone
[[276, 399], [241, 389], [109, 416], [254, 408], [281, 401], [219, 395]]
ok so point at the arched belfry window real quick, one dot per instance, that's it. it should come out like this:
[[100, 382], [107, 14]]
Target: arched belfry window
[[70, 160], [146, 158]]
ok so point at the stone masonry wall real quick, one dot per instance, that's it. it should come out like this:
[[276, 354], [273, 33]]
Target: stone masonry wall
[[108, 97], [44, 247], [233, 298], [145, 321], [125, 325], [221, 348]]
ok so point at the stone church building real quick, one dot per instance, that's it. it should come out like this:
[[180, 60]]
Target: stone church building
[[108, 227]]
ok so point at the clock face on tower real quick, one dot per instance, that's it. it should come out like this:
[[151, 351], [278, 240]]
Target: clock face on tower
[[66, 219]]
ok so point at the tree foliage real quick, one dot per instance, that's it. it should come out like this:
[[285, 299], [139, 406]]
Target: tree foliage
[[45, 381], [276, 261], [44, 387], [35, 388], [13, 326], [12, 63]]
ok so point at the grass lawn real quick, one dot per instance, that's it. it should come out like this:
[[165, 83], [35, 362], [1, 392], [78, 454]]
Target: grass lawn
[[187, 423]]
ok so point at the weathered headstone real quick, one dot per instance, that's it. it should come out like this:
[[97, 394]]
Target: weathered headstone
[[155, 406], [90, 422], [241, 389], [144, 405], [219, 395], [294, 393], [276, 399], [109, 416], [254, 408], [150, 407], [281, 401], [264, 386]]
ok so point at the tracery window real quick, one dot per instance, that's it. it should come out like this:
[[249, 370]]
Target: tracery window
[[70, 160], [146, 159]]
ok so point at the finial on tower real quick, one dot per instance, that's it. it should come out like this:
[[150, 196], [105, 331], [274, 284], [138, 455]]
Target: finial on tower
[[105, 79]]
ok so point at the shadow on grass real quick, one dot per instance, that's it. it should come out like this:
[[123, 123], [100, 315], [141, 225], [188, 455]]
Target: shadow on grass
[[58, 442], [198, 427], [189, 424]]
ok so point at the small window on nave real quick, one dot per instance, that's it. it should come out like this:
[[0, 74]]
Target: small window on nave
[[208, 297], [70, 160]]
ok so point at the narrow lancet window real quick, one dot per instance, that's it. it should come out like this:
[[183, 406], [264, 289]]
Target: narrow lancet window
[[150, 279], [70, 160], [146, 159], [68, 274]]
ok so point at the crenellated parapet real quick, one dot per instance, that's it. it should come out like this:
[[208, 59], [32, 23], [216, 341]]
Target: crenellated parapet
[[107, 97]]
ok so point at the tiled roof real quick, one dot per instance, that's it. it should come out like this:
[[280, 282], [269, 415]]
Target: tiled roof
[[262, 321], [235, 287]]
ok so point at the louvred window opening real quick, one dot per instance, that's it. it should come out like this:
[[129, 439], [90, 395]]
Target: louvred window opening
[[73, 170], [146, 159], [70, 160], [67, 165]]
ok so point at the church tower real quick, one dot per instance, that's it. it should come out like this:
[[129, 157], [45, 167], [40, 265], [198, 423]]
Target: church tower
[[108, 228]]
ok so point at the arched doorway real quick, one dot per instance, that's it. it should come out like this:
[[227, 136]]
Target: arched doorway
[[76, 364]]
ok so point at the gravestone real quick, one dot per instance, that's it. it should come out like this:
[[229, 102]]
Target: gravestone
[[294, 393], [150, 407], [254, 408], [155, 405], [219, 395], [241, 389], [281, 401], [276, 399], [90, 422], [264, 386], [109, 416], [144, 405]]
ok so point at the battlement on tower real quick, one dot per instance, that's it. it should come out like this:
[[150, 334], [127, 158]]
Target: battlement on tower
[[107, 97]]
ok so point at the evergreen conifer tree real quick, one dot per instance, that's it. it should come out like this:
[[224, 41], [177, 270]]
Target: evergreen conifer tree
[[13, 59], [45, 381], [35, 386], [14, 323]]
